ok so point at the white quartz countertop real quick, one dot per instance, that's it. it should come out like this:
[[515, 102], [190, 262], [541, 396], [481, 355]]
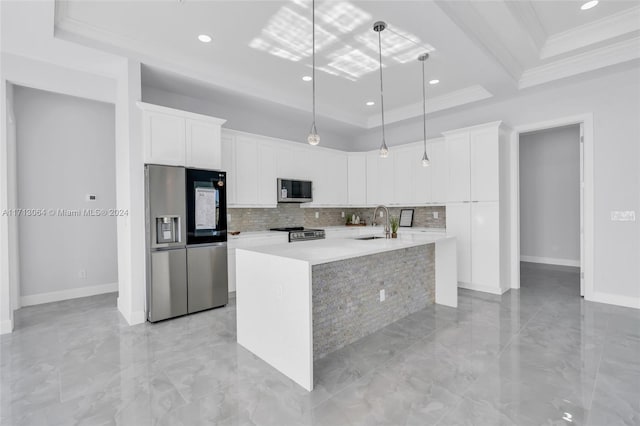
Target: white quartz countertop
[[330, 250]]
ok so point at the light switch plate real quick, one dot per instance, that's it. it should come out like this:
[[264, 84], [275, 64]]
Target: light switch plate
[[623, 216]]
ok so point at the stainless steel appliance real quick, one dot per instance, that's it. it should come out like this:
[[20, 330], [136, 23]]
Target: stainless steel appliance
[[294, 191], [299, 233], [186, 240]]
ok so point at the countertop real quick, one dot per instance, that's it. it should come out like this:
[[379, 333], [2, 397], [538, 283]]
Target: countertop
[[330, 250]]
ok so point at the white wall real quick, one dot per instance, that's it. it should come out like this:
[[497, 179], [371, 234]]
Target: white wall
[[550, 196], [66, 150], [614, 100]]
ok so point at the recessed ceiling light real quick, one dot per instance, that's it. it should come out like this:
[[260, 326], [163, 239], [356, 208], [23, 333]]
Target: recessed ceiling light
[[204, 38], [370, 103], [590, 4], [435, 81], [307, 78]]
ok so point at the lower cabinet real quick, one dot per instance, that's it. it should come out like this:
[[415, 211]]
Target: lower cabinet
[[476, 226]]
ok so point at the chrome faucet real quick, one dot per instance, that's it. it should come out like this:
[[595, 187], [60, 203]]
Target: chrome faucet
[[387, 228]]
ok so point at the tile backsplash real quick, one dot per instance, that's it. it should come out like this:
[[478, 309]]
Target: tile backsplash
[[257, 219]]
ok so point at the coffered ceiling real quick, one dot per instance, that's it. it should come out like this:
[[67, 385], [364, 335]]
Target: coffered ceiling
[[478, 49]]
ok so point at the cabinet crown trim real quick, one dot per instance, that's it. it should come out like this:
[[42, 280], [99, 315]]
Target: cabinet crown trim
[[180, 113], [493, 124]]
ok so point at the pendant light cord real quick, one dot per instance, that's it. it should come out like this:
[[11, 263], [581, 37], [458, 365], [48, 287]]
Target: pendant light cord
[[381, 91], [313, 62], [424, 109]]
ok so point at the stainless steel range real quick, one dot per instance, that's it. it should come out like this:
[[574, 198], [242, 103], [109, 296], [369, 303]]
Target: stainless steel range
[[299, 233]]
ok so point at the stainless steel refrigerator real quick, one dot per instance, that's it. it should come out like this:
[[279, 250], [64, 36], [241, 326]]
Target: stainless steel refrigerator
[[186, 240]]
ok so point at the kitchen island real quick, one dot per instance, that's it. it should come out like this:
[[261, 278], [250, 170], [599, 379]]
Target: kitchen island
[[297, 302]]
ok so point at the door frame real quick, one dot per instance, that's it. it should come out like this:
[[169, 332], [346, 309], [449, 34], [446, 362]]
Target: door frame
[[587, 201]]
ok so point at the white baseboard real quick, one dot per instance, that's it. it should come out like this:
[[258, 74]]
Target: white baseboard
[[6, 326], [550, 261], [131, 317], [485, 289], [615, 299], [73, 293]]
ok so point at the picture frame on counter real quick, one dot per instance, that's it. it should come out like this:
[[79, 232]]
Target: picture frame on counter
[[406, 218]]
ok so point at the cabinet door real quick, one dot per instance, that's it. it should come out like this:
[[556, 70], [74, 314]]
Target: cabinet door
[[387, 179], [458, 187], [203, 145], [267, 175], [459, 226], [164, 139], [246, 171], [373, 178], [229, 165], [285, 162], [439, 171], [485, 244], [422, 176], [403, 183], [485, 176], [357, 179], [336, 178]]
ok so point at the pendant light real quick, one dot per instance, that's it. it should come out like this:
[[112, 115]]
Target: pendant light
[[425, 158], [314, 137], [379, 27]]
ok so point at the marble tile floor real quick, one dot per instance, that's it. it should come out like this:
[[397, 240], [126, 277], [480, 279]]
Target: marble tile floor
[[536, 356]]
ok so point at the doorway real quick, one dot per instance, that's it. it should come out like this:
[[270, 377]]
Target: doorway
[[586, 192], [65, 173], [550, 177]]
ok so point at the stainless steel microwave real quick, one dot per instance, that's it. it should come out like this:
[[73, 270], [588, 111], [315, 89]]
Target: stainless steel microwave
[[294, 191]]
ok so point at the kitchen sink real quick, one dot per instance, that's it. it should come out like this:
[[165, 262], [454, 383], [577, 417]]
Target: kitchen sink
[[368, 237]]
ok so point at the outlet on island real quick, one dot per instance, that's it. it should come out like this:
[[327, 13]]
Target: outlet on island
[[382, 295]]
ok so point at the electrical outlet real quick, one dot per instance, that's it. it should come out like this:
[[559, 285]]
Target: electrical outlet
[[228, 218], [342, 215], [435, 215], [317, 215], [382, 295], [381, 213], [82, 273]]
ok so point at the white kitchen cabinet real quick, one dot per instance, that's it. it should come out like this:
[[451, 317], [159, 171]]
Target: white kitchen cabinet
[[485, 244], [246, 171], [458, 156], [229, 165], [484, 146], [459, 226], [374, 195], [403, 166], [422, 176], [164, 138], [203, 149], [285, 162], [267, 175], [356, 179], [483, 250], [439, 171], [180, 138], [386, 182]]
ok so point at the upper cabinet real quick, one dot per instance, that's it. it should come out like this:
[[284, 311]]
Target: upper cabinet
[[474, 163], [180, 138], [356, 179]]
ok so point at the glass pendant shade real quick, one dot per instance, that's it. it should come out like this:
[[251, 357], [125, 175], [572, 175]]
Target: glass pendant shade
[[384, 151], [314, 137], [425, 160]]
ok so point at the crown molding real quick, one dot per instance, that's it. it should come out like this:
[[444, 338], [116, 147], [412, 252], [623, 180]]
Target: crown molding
[[438, 103], [594, 32], [612, 54], [526, 15]]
